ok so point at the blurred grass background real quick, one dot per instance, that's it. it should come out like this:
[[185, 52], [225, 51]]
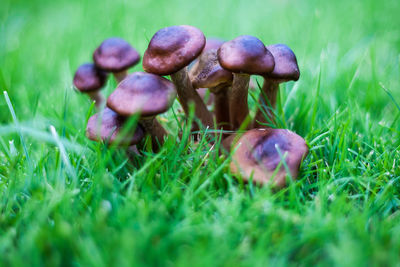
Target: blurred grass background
[[98, 209]]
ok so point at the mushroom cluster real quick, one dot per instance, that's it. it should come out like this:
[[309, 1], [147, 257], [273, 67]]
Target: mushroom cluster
[[261, 154]]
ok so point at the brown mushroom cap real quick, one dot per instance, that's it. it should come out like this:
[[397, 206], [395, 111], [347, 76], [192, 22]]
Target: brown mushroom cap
[[115, 55], [286, 67], [173, 48], [109, 128], [246, 54], [88, 78], [258, 157], [144, 93], [207, 73]]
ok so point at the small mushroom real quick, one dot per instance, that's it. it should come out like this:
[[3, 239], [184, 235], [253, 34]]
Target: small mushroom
[[170, 51], [259, 152], [107, 125], [286, 69], [89, 80], [244, 55], [208, 73], [116, 55], [145, 94], [211, 43]]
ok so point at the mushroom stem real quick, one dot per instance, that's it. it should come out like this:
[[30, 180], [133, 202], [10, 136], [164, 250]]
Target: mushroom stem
[[97, 97], [119, 76], [155, 129], [270, 90], [221, 106], [187, 94], [238, 108]]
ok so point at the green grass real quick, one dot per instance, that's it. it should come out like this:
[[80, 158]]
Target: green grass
[[68, 201]]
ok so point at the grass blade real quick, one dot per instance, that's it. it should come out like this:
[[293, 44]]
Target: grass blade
[[21, 137]]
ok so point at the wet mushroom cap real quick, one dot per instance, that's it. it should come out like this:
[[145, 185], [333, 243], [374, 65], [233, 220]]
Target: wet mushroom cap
[[144, 93], [109, 128], [115, 55], [257, 155], [286, 67], [207, 73], [173, 48], [246, 54], [89, 78]]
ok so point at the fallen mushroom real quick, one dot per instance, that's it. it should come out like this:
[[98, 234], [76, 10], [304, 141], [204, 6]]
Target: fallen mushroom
[[208, 73], [170, 51], [107, 126], [116, 55], [244, 55], [145, 94], [286, 69], [89, 80], [259, 152]]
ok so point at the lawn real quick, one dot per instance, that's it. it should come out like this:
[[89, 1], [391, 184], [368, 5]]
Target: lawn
[[69, 201]]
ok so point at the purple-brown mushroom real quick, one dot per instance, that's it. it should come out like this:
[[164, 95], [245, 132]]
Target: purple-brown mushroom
[[89, 80], [116, 55], [170, 51], [211, 43], [244, 56], [260, 155], [208, 73], [286, 69], [145, 94]]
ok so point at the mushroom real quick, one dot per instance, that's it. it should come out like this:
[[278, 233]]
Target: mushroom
[[116, 55], [89, 80], [211, 43], [107, 126], [170, 51], [215, 43], [244, 55], [208, 73], [259, 152], [145, 94], [286, 69]]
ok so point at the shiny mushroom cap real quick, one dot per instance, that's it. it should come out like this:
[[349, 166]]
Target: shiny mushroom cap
[[88, 78], [115, 55], [286, 67], [207, 73], [144, 93], [173, 48], [107, 125], [246, 54], [257, 155]]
